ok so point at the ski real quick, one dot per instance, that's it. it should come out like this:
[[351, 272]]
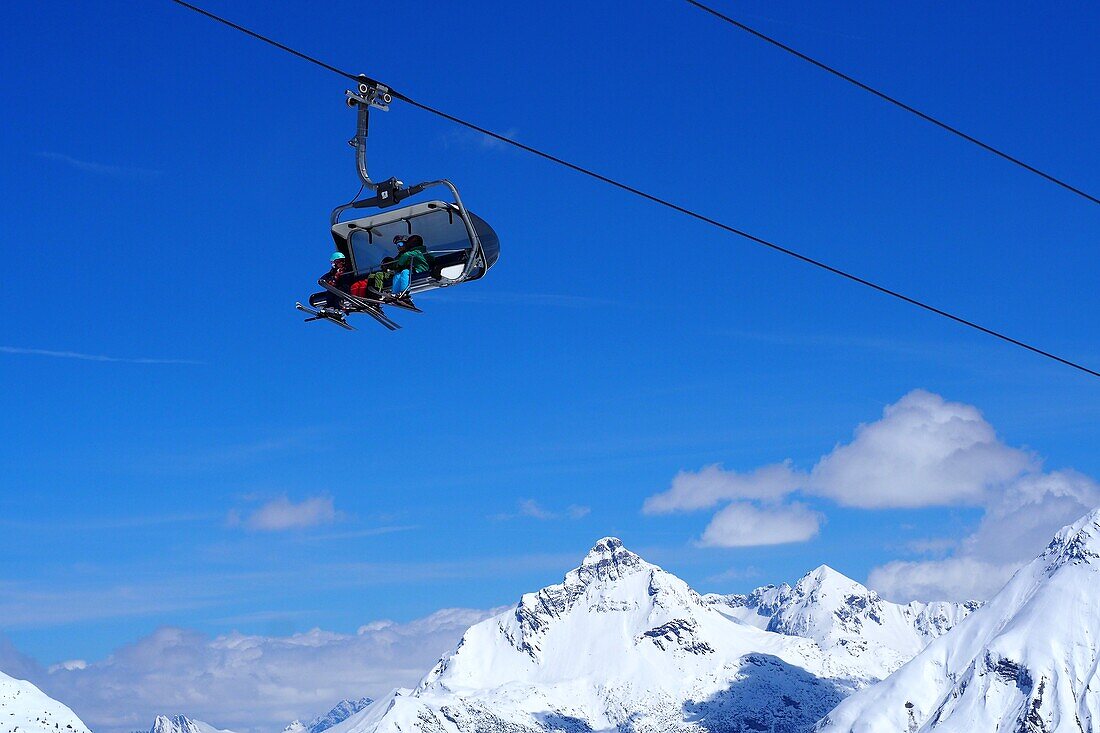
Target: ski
[[323, 316], [402, 303], [370, 307]]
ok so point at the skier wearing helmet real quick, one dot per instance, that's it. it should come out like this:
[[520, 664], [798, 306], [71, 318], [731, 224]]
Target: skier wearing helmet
[[412, 257], [339, 267], [332, 277]]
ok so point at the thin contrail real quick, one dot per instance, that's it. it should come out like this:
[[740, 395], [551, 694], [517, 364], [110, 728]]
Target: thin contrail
[[91, 357]]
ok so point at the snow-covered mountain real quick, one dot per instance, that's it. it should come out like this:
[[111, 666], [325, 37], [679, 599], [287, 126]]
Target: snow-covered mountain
[[182, 724], [26, 709], [846, 619], [339, 713], [623, 645], [1028, 661]]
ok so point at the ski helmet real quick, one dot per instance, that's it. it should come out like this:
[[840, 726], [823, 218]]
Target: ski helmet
[[336, 256]]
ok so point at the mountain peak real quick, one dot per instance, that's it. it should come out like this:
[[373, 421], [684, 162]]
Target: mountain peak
[[610, 580], [339, 713], [826, 581], [825, 571], [606, 548], [174, 724], [182, 724], [608, 560], [1075, 543]]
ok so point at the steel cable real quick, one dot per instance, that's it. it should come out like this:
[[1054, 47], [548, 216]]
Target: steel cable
[[653, 198], [893, 100]]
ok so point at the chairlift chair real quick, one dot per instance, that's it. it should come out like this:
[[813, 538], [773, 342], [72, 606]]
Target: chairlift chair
[[461, 246]]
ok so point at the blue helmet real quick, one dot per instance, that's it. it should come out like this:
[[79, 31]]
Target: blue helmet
[[336, 256]]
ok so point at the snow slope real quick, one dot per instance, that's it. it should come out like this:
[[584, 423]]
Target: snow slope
[[845, 618], [1025, 662], [26, 709], [182, 724], [620, 645]]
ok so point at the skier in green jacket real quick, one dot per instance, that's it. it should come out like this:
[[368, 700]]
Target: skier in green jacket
[[412, 257]]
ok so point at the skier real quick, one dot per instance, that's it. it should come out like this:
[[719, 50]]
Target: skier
[[338, 267], [412, 257], [377, 280], [332, 277]]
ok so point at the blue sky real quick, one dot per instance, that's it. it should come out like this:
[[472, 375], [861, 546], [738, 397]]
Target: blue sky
[[166, 198]]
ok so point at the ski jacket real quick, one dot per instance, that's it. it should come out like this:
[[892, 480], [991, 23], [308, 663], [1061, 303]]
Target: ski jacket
[[414, 258], [333, 275]]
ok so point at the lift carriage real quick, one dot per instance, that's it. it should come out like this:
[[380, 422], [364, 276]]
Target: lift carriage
[[459, 245]]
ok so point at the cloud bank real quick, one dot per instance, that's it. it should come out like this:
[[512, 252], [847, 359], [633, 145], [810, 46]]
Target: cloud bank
[[1019, 520], [246, 683], [923, 452]]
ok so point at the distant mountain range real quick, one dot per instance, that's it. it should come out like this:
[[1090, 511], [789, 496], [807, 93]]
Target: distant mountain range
[[846, 619], [338, 714], [622, 645]]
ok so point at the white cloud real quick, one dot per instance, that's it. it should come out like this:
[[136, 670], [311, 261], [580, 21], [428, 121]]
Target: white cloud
[[708, 487], [951, 579], [533, 510], [1018, 522], [744, 525], [283, 514], [736, 573], [576, 511], [252, 683], [924, 451]]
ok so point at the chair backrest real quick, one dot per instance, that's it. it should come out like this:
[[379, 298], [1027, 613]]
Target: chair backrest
[[447, 239]]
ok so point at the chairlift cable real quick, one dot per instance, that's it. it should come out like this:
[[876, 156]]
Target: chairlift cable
[[265, 39], [893, 100], [654, 198]]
